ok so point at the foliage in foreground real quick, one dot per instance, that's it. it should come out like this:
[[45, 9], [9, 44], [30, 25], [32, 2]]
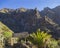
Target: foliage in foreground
[[53, 44], [39, 38], [42, 40], [7, 34]]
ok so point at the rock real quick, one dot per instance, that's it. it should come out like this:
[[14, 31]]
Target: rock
[[29, 20]]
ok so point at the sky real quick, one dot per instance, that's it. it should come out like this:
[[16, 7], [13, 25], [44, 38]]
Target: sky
[[40, 4]]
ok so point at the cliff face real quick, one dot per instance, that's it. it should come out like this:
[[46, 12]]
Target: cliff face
[[29, 20], [52, 16], [54, 13], [20, 19]]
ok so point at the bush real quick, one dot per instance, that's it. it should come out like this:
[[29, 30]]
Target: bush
[[59, 42], [7, 34], [39, 38], [7, 37], [53, 44]]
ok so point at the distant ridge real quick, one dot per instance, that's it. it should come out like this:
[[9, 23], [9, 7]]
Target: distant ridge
[[29, 20]]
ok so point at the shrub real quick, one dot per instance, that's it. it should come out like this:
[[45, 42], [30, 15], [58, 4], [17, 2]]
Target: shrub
[[53, 44], [7, 34], [39, 38], [59, 42], [7, 37]]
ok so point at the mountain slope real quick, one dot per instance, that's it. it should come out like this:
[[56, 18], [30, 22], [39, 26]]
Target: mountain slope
[[54, 13], [21, 20], [4, 28]]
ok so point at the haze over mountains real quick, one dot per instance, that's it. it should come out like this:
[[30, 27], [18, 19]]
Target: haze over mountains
[[21, 20]]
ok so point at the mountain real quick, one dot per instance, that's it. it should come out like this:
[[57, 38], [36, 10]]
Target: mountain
[[4, 28], [54, 13], [22, 19]]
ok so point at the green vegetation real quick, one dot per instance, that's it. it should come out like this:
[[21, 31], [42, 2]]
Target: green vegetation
[[4, 28], [7, 34], [59, 42], [7, 37], [39, 38], [53, 44], [42, 40]]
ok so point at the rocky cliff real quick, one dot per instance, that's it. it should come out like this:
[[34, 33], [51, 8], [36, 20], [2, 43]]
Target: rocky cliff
[[21, 19]]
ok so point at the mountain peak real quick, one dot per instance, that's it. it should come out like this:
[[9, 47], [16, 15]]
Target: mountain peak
[[21, 9], [4, 10], [47, 8], [57, 7]]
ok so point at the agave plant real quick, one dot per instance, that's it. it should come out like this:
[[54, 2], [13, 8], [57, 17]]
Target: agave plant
[[39, 38]]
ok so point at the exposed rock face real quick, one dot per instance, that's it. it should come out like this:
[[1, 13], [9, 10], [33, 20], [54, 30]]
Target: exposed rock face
[[54, 13], [21, 19], [52, 17]]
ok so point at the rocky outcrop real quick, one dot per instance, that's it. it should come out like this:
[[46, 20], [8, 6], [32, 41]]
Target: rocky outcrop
[[54, 13], [29, 20], [20, 19]]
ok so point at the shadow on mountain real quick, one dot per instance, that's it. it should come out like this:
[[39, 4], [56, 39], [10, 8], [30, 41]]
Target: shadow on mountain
[[20, 20], [29, 20]]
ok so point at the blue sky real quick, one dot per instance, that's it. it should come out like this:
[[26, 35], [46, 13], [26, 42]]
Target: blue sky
[[40, 4]]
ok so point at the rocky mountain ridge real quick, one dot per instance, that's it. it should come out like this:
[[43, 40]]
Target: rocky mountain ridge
[[21, 20]]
